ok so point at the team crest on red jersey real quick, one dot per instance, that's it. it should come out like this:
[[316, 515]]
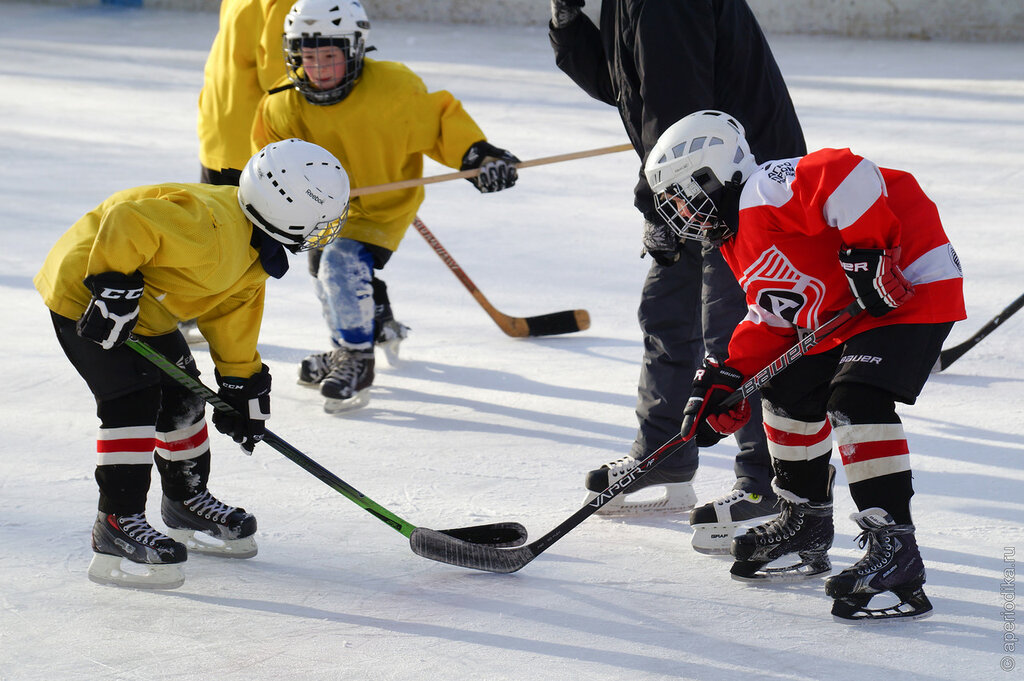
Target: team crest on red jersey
[[783, 290]]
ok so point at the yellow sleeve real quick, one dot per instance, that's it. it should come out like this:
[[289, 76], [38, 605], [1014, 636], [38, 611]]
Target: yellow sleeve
[[270, 53], [457, 131], [126, 239], [232, 329]]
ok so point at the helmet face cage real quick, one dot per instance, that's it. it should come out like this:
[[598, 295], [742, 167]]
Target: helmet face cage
[[353, 47], [324, 233], [688, 210]]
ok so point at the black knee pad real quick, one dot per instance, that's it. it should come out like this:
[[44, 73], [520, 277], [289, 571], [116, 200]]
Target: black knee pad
[[855, 403]]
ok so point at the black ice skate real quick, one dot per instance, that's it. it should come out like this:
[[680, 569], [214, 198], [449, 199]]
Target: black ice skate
[[678, 496], [225, 530], [716, 522], [803, 527], [389, 336], [347, 386], [315, 368], [116, 538], [892, 563]]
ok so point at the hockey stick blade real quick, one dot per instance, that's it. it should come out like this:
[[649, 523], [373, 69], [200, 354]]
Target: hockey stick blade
[[498, 535], [567, 321], [950, 355]]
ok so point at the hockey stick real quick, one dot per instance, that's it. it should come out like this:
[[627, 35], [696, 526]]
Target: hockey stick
[[950, 355], [566, 321], [496, 534], [420, 181], [447, 549]]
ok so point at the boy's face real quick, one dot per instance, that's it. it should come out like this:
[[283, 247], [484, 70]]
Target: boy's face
[[324, 66]]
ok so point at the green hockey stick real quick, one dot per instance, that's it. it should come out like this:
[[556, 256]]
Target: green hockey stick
[[495, 534]]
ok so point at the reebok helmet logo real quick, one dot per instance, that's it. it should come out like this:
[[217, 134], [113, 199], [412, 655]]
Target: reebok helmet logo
[[313, 196]]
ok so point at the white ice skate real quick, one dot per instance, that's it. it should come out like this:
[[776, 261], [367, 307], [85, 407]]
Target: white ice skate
[[653, 493], [717, 522]]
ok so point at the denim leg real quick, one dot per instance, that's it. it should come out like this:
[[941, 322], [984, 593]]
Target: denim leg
[[343, 285]]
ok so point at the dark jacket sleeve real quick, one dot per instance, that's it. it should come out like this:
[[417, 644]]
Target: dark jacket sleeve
[[580, 54]]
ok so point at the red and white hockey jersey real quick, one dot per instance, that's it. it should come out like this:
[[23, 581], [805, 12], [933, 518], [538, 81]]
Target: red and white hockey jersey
[[795, 216]]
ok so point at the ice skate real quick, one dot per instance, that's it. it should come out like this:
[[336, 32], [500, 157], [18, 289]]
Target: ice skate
[[678, 496], [347, 386], [716, 522], [390, 334], [128, 552], [892, 564], [206, 525], [802, 527], [190, 330], [314, 369]]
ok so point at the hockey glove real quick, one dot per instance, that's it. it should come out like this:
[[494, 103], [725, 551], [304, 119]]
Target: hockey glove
[[661, 243], [497, 167], [563, 12], [251, 399], [114, 309], [875, 279], [704, 418]]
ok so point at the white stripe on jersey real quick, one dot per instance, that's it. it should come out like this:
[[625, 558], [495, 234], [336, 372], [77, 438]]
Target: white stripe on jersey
[[125, 446], [854, 195], [938, 264]]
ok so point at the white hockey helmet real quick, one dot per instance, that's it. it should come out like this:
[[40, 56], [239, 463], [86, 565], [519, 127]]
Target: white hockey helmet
[[698, 164], [296, 192], [321, 23]]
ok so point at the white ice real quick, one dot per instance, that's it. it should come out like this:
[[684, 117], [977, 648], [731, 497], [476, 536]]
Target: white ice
[[476, 427]]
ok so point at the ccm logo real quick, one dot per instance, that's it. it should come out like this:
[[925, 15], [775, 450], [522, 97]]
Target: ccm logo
[[119, 293], [855, 266]]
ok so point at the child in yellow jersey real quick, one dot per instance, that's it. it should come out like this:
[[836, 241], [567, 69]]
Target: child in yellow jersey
[[140, 262], [379, 120]]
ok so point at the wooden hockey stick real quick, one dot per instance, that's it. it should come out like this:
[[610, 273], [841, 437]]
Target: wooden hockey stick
[[420, 181], [950, 355], [566, 321], [447, 549], [495, 534]]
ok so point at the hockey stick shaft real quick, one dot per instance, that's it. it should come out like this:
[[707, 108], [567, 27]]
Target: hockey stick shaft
[[446, 549], [460, 174], [499, 533], [950, 355], [567, 321]]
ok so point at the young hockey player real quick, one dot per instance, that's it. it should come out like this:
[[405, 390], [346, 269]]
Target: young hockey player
[[657, 62], [141, 261], [396, 122], [806, 236]]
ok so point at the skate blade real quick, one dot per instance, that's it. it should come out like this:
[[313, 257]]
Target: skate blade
[[200, 542], [787, 574], [676, 498], [854, 610], [118, 571], [714, 539], [357, 401], [390, 349], [308, 384]]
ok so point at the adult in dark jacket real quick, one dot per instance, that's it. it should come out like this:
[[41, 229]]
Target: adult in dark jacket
[[658, 61]]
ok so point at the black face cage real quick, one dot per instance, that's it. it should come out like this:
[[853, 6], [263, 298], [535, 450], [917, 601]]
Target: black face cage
[[353, 66]]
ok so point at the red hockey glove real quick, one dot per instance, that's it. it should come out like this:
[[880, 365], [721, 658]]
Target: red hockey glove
[[114, 309], [251, 399], [704, 417], [497, 167], [875, 279]]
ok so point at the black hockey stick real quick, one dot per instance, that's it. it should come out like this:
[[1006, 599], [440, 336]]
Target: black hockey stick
[[447, 549], [496, 534], [950, 355], [566, 321]]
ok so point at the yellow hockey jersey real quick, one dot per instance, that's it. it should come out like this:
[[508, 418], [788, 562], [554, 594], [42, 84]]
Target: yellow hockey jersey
[[191, 242], [245, 61], [380, 133]]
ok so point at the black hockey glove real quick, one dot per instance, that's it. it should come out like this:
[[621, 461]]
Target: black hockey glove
[[661, 243], [704, 417], [114, 309], [251, 399], [875, 279], [497, 167], [563, 12]]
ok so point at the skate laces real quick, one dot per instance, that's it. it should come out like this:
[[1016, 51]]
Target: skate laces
[[880, 548], [620, 467], [209, 507], [138, 528], [733, 496]]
